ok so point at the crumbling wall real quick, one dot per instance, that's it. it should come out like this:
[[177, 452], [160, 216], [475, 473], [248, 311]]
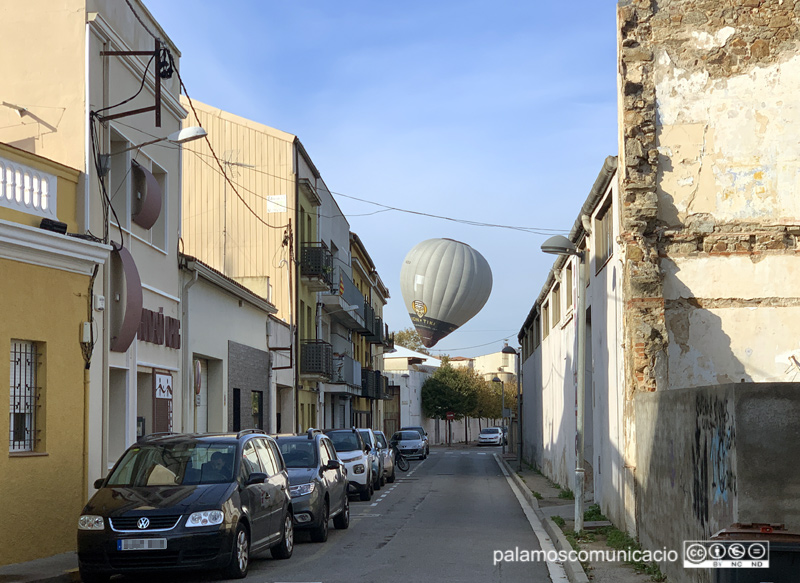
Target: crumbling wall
[[710, 191]]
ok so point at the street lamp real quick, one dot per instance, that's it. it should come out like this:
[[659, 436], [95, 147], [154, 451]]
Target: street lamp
[[560, 245], [508, 350], [502, 412]]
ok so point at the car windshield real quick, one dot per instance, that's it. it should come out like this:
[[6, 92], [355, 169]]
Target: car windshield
[[298, 453], [345, 441], [381, 440], [406, 436], [173, 464], [417, 429], [490, 430], [365, 435]]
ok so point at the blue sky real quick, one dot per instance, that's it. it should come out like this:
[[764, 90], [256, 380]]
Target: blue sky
[[498, 112]]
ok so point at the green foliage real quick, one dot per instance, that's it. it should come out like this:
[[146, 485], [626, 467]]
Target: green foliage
[[450, 389], [559, 521], [566, 494], [538, 496], [617, 539], [409, 338], [593, 513]]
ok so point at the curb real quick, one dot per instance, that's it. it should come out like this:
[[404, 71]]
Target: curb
[[574, 570]]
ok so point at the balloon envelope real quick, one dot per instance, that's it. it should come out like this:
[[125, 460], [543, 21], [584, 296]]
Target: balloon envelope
[[444, 284]]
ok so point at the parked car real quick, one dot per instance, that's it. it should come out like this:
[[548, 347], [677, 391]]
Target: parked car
[[410, 443], [424, 435], [188, 502], [490, 436], [318, 483], [378, 479], [354, 454], [387, 456]]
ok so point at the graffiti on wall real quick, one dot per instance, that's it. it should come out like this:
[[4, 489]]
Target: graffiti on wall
[[713, 452]]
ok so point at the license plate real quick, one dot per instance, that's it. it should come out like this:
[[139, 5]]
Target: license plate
[[142, 544]]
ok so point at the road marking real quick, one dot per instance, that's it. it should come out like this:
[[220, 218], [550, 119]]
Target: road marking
[[557, 573], [481, 453], [374, 504]]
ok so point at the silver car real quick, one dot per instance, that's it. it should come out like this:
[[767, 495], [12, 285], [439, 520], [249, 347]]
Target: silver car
[[410, 443], [387, 455]]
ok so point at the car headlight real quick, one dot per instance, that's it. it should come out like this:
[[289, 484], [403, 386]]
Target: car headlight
[[91, 522], [358, 469], [301, 489], [205, 518]]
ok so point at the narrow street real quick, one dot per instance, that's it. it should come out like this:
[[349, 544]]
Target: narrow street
[[440, 521]]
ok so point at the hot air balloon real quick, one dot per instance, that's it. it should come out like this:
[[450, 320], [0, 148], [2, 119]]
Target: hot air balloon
[[444, 284]]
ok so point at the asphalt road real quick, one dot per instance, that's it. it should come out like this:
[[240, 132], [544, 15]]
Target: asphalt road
[[441, 522]]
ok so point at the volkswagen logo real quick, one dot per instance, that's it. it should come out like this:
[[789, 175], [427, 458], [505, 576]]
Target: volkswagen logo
[[143, 523]]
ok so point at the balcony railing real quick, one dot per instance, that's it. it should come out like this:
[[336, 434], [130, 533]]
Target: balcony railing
[[374, 385], [375, 335], [316, 266], [316, 359]]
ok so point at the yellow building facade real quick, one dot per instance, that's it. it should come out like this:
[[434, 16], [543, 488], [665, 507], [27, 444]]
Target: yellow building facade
[[44, 282]]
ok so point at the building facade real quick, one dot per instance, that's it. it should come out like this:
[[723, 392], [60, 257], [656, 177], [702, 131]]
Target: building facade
[[45, 339], [128, 195]]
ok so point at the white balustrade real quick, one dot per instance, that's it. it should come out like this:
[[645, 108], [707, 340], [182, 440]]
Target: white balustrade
[[26, 189]]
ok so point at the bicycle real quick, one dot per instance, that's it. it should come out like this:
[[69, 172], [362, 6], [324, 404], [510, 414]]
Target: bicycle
[[399, 460]]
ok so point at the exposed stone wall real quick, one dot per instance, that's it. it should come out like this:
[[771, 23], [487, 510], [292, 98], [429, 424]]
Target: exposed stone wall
[[710, 200]]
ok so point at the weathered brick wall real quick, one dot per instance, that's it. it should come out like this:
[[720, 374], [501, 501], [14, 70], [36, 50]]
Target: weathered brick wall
[[710, 202]]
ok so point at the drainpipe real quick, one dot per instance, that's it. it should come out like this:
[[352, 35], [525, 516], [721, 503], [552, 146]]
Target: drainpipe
[[188, 405]]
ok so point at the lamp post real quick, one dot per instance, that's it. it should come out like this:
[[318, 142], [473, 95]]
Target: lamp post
[[502, 413], [560, 245], [508, 350]]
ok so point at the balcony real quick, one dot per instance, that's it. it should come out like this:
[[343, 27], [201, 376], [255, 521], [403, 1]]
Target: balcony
[[316, 360], [376, 333], [316, 267], [346, 377], [374, 385]]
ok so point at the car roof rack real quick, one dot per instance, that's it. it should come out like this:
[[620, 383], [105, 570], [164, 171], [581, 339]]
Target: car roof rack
[[156, 435], [246, 431], [311, 432]]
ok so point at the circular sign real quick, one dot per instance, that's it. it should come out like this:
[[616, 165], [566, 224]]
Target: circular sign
[[450, 415]]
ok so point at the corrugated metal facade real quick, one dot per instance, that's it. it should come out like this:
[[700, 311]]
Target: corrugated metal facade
[[244, 243]]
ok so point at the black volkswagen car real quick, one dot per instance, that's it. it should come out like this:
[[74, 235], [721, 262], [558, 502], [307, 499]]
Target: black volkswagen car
[[318, 482], [192, 501]]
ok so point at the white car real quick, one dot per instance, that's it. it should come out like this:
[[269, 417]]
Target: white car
[[491, 436], [355, 456]]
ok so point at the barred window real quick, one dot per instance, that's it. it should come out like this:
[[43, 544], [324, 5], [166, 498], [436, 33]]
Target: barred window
[[24, 396]]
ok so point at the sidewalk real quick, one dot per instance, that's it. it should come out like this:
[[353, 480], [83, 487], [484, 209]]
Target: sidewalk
[[548, 504], [61, 568]]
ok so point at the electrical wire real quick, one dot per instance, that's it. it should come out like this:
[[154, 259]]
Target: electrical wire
[[135, 95], [506, 337], [386, 208]]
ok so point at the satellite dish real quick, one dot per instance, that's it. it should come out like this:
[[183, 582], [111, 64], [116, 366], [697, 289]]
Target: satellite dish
[[444, 284]]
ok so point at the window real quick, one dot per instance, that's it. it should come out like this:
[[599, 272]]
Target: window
[[158, 232], [568, 286], [24, 405], [604, 235], [545, 320], [556, 302], [537, 332], [266, 457]]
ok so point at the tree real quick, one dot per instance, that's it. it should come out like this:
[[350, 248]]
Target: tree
[[409, 338], [450, 389]]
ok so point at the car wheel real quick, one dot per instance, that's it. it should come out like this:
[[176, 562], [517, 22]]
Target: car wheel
[[366, 493], [89, 577], [377, 482], [283, 550], [390, 479], [240, 555], [342, 520], [320, 534]]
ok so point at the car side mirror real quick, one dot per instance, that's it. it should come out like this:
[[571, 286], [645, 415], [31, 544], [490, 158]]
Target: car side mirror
[[366, 449], [333, 465], [256, 478], [98, 483]]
